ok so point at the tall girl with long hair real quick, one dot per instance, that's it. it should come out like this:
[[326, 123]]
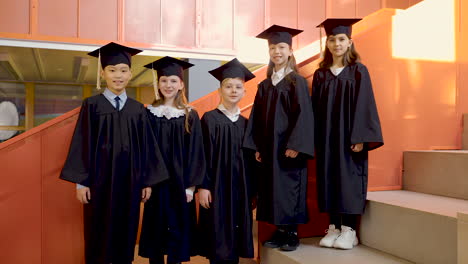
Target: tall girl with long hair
[[169, 218], [279, 131], [347, 127]]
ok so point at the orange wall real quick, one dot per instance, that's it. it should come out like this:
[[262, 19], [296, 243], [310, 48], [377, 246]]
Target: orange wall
[[420, 100], [204, 25], [41, 221]]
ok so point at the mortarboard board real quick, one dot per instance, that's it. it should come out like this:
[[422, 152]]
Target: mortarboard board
[[232, 69], [112, 54], [335, 26], [167, 66], [277, 34]]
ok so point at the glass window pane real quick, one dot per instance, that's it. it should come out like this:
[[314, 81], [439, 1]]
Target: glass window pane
[[16, 94], [52, 100]]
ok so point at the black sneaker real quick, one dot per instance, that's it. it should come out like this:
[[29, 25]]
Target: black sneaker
[[277, 240], [291, 242]]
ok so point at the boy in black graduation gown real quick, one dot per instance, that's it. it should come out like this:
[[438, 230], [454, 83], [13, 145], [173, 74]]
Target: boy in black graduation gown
[[225, 196], [114, 159], [347, 127], [169, 218], [281, 130]]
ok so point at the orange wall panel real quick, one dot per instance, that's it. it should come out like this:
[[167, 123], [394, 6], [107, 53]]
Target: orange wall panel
[[311, 13], [401, 4], [14, 16], [413, 2], [58, 18], [20, 203], [249, 17], [366, 7], [416, 100], [142, 21], [62, 213], [341, 8], [283, 13], [98, 19], [462, 59], [178, 18], [217, 24]]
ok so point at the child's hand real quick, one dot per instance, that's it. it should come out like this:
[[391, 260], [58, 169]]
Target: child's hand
[[357, 147], [291, 153], [257, 156], [83, 195], [254, 203], [189, 197], [145, 194], [204, 197]]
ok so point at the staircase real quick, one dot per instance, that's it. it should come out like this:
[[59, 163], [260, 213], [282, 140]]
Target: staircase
[[425, 222]]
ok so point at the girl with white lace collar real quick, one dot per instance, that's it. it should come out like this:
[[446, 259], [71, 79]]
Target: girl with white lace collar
[[169, 219]]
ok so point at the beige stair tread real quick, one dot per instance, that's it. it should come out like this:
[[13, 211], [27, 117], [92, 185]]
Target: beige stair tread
[[460, 151], [310, 252], [422, 202]]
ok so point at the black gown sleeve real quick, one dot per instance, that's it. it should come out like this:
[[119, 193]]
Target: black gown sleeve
[[366, 124], [208, 143], [250, 133], [155, 168], [77, 164], [196, 166], [302, 119]]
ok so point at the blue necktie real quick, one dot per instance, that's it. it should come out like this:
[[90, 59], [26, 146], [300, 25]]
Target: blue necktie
[[117, 103]]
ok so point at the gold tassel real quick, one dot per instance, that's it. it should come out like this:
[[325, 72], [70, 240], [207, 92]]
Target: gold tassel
[[155, 84], [98, 82]]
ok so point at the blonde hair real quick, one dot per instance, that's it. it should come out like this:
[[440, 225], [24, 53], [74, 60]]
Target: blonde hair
[[180, 102], [224, 82]]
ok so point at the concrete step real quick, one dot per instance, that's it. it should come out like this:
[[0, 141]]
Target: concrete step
[[421, 228], [309, 252], [438, 172]]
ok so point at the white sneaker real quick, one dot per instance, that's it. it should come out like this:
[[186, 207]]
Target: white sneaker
[[329, 239], [347, 238]]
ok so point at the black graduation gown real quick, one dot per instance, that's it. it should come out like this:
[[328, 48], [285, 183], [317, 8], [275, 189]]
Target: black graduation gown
[[281, 119], [108, 153], [226, 227], [345, 114], [169, 222]]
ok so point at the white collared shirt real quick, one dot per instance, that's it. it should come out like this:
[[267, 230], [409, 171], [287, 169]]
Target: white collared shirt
[[277, 76], [232, 116], [111, 97], [337, 71]]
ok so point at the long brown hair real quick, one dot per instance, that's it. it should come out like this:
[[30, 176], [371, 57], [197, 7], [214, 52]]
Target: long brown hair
[[351, 56], [180, 102]]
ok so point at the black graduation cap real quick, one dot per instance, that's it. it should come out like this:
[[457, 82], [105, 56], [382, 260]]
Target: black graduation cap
[[335, 26], [277, 34], [232, 69], [168, 66], [113, 54]]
